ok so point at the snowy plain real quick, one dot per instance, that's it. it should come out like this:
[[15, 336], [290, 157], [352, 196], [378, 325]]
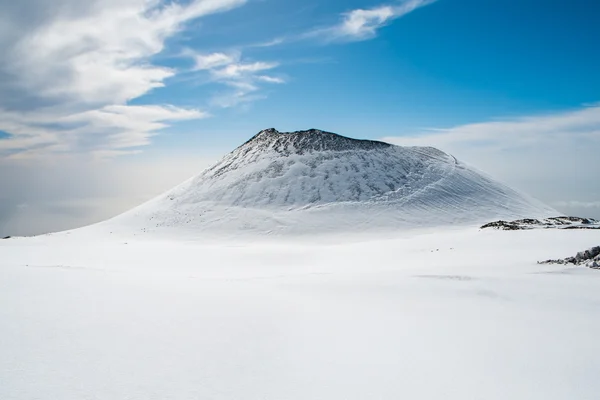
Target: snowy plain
[[439, 313]]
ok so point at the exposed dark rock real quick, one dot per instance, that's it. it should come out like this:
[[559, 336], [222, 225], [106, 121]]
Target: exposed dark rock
[[567, 220], [301, 142], [503, 225], [553, 222], [590, 258]]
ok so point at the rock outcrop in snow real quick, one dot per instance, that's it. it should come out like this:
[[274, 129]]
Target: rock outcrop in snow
[[545, 223], [316, 181], [589, 258]]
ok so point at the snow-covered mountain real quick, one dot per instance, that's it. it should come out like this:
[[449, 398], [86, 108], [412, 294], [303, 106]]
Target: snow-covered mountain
[[444, 313], [315, 181]]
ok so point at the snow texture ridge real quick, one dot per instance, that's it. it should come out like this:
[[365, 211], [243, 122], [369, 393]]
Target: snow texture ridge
[[313, 167], [315, 181]]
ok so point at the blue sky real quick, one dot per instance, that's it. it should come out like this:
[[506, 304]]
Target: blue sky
[[446, 64], [134, 88]]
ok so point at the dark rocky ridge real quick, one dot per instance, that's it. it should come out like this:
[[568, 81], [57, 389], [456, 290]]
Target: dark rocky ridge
[[553, 222], [590, 258], [312, 140]]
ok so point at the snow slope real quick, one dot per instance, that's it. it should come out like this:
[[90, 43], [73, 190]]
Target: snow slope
[[314, 182], [445, 314]]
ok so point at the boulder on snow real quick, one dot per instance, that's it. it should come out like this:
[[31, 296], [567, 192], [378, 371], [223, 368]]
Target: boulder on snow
[[589, 258]]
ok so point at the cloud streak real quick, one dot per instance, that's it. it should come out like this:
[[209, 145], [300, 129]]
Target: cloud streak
[[363, 24], [106, 131], [578, 126], [242, 77]]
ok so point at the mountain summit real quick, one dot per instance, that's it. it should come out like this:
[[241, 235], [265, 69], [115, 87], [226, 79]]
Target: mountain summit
[[301, 142], [307, 168], [314, 181]]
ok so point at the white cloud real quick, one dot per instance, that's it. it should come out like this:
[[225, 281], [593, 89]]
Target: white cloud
[[76, 60], [363, 24], [241, 76], [103, 56], [270, 43], [550, 156], [239, 70], [270, 79], [104, 131], [214, 60], [576, 127]]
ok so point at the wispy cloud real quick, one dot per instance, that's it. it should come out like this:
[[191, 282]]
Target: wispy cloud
[[68, 75], [106, 131], [578, 127], [242, 77], [214, 60], [270, 43], [362, 24], [352, 26], [239, 70]]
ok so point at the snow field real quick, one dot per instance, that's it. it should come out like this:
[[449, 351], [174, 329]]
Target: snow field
[[444, 313]]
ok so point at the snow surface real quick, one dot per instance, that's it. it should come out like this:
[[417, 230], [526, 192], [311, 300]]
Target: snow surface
[[435, 314], [314, 182]]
